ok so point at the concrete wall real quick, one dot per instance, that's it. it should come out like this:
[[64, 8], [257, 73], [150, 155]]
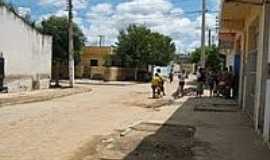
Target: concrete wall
[[27, 53], [267, 114], [108, 73]]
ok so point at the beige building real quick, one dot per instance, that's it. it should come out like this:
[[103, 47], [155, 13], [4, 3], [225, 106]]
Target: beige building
[[245, 26], [93, 65], [93, 61]]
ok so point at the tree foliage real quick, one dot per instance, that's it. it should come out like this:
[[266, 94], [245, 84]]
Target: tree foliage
[[2, 2], [213, 58], [138, 46], [58, 28]]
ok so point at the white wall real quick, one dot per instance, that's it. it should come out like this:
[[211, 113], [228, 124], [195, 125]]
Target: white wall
[[267, 114], [26, 51]]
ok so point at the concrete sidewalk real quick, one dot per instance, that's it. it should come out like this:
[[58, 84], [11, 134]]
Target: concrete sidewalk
[[225, 135], [39, 95], [188, 134]]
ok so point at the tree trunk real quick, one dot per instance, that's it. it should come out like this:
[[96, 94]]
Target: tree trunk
[[136, 73]]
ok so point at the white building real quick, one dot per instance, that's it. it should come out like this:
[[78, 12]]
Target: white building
[[27, 53]]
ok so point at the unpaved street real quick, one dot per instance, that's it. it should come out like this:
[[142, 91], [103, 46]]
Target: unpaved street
[[56, 129], [122, 122]]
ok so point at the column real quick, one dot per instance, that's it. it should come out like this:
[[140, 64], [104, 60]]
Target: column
[[266, 130], [261, 108]]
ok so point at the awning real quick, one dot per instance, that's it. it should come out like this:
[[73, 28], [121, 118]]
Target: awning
[[234, 12]]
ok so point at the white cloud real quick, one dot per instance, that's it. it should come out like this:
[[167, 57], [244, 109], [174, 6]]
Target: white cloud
[[144, 6], [23, 11], [159, 15], [78, 4]]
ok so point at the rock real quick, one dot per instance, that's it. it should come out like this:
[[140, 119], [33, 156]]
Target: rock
[[110, 140], [125, 132]]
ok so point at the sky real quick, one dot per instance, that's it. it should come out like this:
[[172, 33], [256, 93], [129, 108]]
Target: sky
[[179, 19]]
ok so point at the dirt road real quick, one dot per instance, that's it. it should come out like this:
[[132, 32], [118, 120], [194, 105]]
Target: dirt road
[[56, 129], [89, 126]]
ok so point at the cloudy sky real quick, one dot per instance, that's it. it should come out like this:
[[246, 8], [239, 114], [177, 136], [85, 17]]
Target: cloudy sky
[[179, 19]]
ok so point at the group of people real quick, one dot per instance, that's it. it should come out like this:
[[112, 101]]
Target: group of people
[[220, 83], [158, 81], [157, 85]]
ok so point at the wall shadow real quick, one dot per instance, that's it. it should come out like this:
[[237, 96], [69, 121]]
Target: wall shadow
[[174, 139]]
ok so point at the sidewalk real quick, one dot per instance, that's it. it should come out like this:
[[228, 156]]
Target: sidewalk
[[189, 134], [39, 95], [226, 134], [219, 135]]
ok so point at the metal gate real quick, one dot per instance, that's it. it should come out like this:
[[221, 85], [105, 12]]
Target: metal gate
[[251, 82]]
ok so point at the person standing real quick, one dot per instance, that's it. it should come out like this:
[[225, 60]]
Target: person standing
[[211, 82], [200, 82], [155, 85], [182, 77], [162, 82]]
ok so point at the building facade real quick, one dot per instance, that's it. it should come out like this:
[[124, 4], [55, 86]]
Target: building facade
[[93, 61], [249, 23], [26, 52], [93, 65]]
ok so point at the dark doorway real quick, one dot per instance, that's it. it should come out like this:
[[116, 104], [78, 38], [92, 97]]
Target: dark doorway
[[2, 72]]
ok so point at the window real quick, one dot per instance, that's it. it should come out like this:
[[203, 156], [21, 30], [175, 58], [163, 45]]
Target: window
[[93, 62]]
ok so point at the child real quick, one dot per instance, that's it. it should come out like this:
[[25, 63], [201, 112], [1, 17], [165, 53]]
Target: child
[[155, 84]]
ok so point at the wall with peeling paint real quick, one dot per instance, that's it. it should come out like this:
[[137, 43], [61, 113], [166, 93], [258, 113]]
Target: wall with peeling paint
[[27, 52]]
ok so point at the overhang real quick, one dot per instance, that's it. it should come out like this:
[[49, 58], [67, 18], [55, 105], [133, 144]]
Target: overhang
[[234, 13]]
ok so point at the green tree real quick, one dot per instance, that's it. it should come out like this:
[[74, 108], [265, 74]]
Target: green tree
[[138, 47], [2, 2], [58, 28], [196, 55], [162, 50], [213, 59], [132, 46]]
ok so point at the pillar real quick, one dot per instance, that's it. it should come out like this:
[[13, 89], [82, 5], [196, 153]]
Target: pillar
[[266, 68], [262, 74]]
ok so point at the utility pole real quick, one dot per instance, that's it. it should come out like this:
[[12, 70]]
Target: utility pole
[[70, 44], [203, 34], [100, 40], [209, 37]]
